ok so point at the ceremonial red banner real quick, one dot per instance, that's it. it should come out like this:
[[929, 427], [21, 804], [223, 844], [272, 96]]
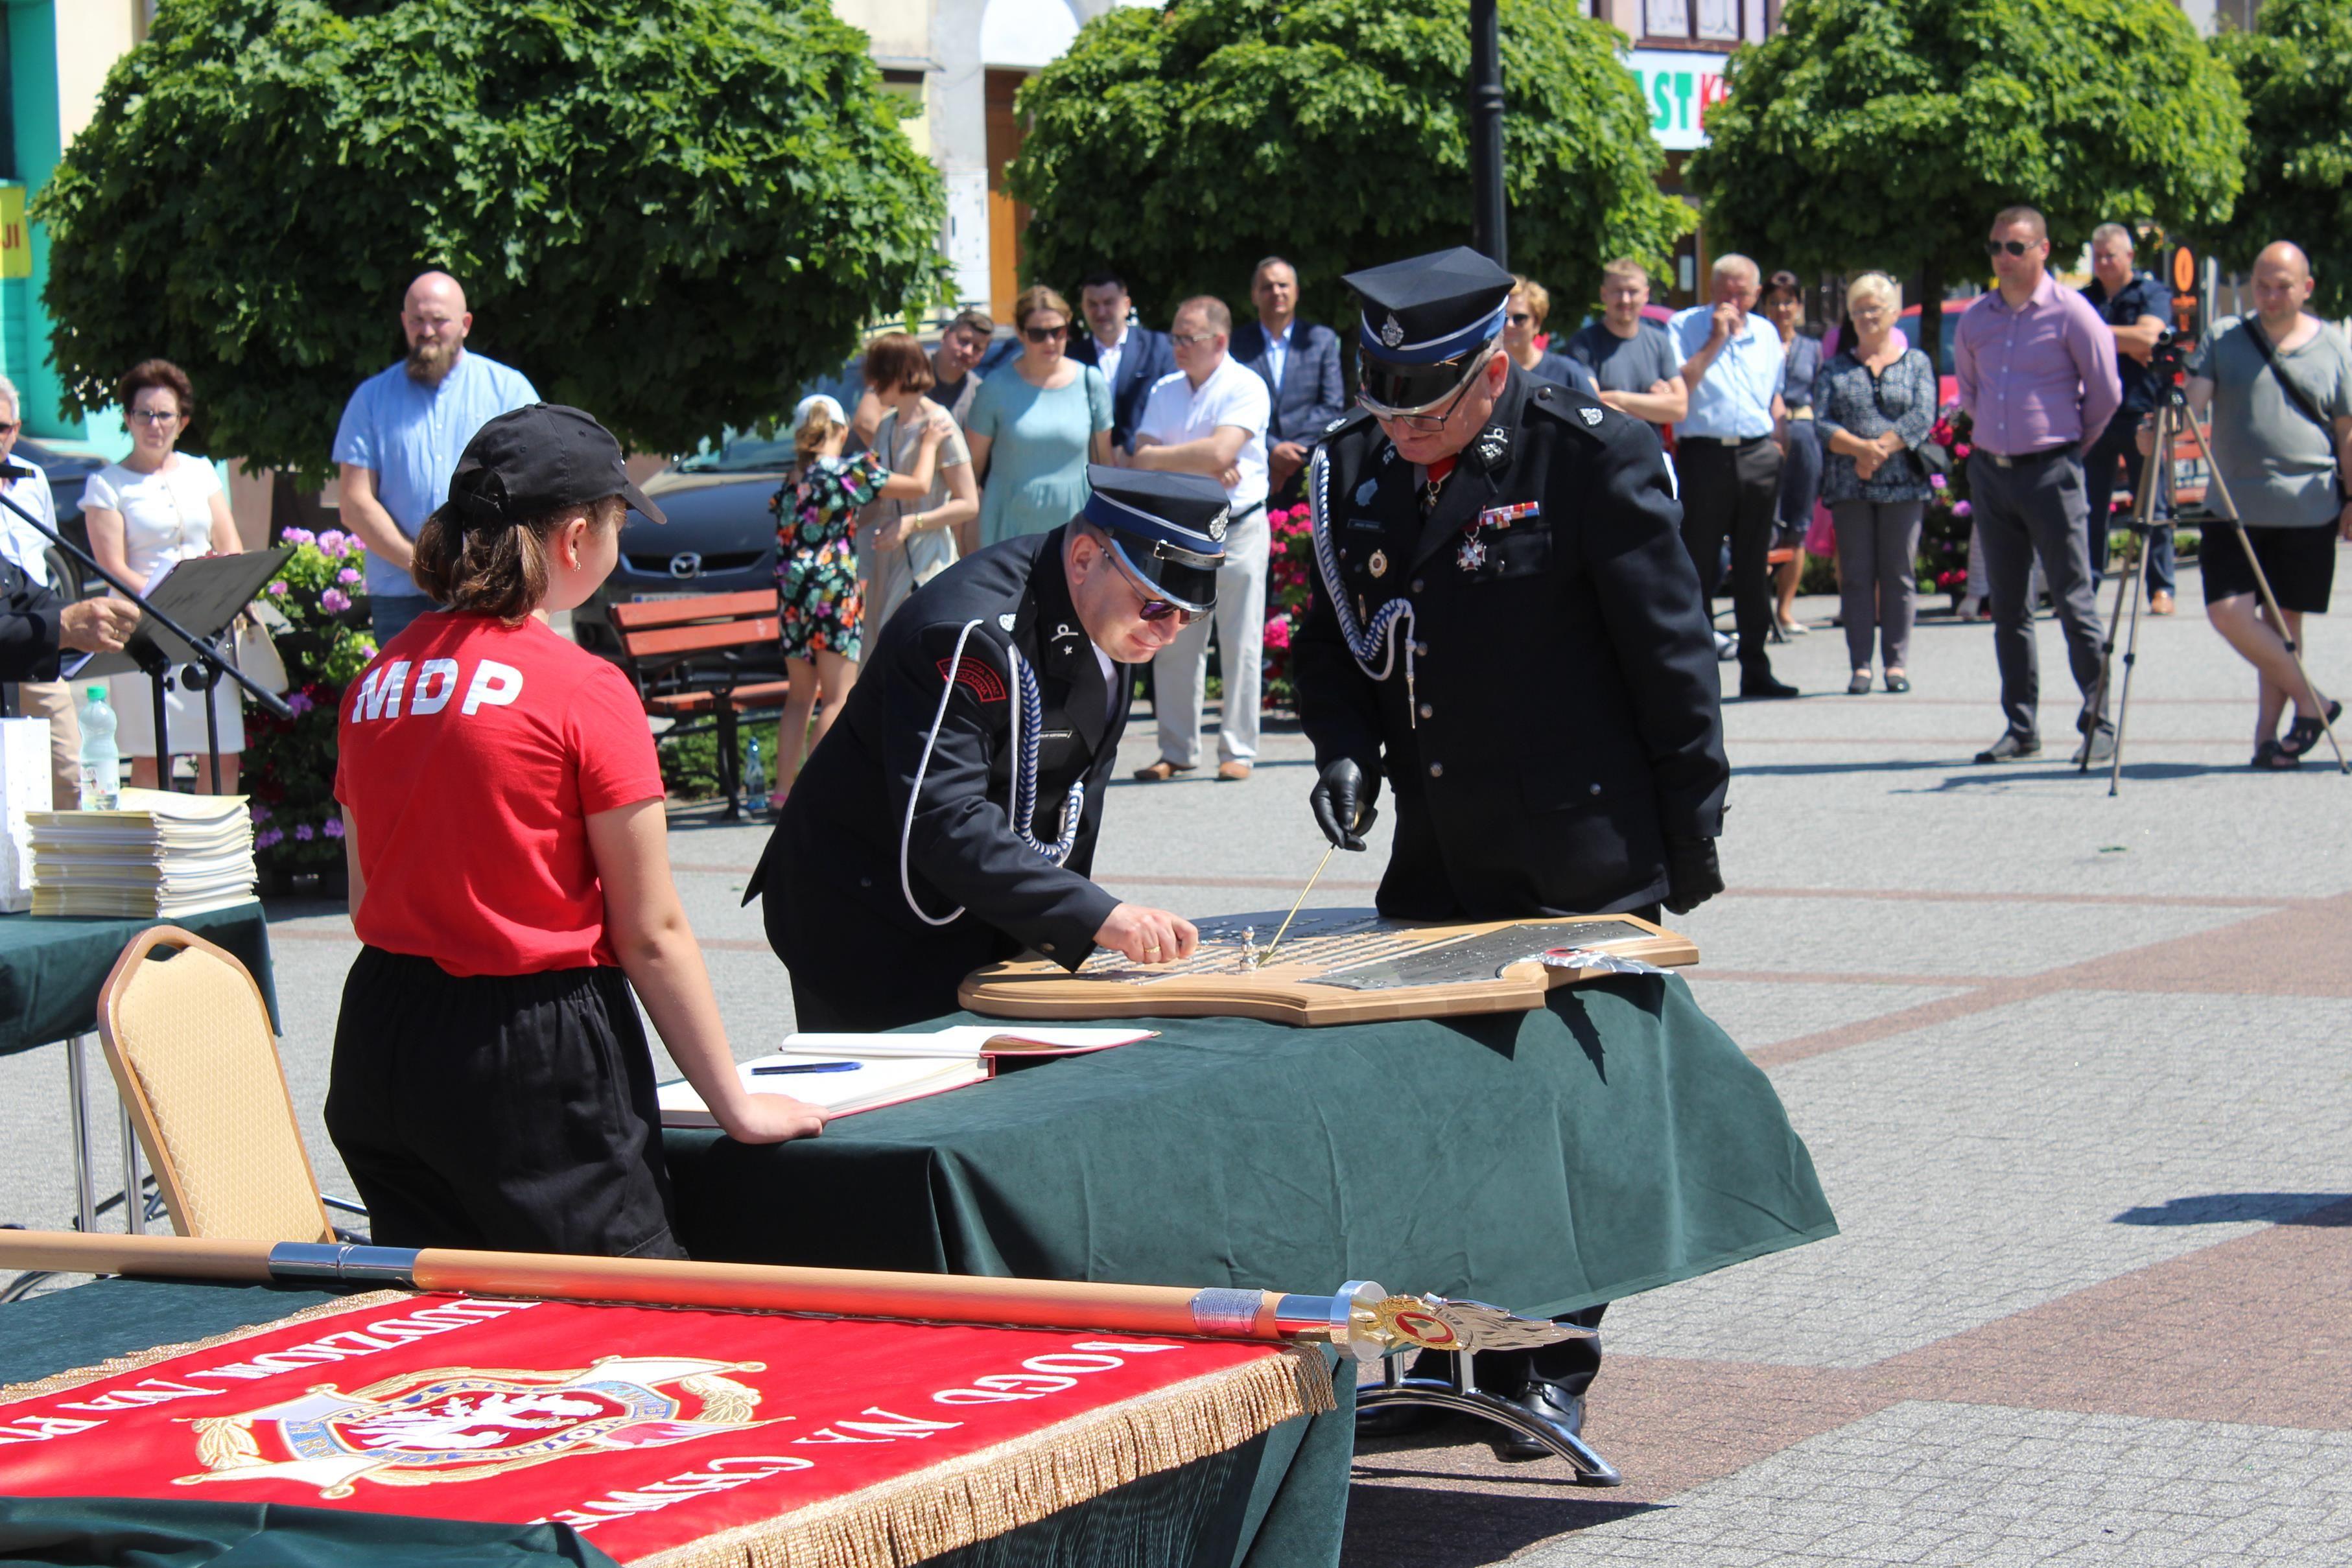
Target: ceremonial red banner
[[671, 1437]]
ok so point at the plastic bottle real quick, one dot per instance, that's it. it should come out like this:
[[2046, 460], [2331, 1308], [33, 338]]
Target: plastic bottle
[[755, 774], [101, 759]]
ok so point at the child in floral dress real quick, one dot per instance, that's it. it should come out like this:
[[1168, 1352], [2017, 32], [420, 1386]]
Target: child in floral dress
[[816, 566]]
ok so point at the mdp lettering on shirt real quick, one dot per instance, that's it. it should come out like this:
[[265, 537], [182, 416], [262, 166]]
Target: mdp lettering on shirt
[[381, 692]]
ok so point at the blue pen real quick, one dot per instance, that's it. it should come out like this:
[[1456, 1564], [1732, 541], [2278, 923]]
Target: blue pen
[[781, 1067]]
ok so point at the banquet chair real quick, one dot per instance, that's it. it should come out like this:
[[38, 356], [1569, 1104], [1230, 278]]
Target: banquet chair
[[192, 1054]]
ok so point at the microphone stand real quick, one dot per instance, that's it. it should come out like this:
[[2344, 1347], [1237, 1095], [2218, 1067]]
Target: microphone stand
[[212, 661]]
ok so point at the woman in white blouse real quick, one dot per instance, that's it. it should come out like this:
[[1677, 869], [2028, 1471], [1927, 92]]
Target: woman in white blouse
[[156, 505]]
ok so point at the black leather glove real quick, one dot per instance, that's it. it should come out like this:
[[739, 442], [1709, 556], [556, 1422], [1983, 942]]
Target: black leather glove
[[1691, 874], [1342, 794]]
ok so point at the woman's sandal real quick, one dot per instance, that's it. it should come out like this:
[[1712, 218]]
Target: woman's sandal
[[2270, 757], [2304, 733]]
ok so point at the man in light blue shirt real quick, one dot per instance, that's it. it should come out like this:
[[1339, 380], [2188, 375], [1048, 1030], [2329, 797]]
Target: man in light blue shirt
[[401, 434], [1725, 456]]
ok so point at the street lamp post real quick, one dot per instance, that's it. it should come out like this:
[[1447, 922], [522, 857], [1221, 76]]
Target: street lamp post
[[1486, 228]]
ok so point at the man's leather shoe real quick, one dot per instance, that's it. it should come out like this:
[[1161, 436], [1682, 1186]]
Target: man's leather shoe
[[1761, 684], [2011, 748], [1233, 772], [1552, 1403], [2159, 603], [1162, 772], [1398, 1420], [2099, 749]]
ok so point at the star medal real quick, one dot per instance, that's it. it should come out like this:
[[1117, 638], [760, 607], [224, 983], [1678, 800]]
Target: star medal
[[1379, 563], [1471, 556]]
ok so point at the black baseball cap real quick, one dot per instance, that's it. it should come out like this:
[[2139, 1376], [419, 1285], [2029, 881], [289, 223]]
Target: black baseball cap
[[539, 459]]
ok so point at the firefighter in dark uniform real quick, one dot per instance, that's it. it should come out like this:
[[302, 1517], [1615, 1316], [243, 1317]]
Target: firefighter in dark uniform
[[1506, 628], [948, 819]]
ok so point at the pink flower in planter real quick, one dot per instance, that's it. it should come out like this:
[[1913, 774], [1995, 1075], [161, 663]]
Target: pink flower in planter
[[335, 602], [1962, 451], [1962, 509], [277, 591], [1937, 481], [347, 577], [1278, 631], [332, 541], [298, 537]]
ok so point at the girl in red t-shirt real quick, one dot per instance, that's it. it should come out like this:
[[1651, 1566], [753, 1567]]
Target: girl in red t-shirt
[[509, 867]]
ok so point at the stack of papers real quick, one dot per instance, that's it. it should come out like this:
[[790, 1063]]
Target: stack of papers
[[846, 1073], [158, 855]]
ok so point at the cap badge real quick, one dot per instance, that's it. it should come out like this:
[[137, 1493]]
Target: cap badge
[[1589, 415], [1006, 619], [1379, 563], [1217, 526], [1365, 491], [1391, 333]]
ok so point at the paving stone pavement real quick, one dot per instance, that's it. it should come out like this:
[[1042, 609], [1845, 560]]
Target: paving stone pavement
[[2076, 1072]]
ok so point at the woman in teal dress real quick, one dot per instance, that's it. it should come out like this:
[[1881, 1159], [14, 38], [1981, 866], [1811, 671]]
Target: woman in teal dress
[[1035, 425], [817, 566]]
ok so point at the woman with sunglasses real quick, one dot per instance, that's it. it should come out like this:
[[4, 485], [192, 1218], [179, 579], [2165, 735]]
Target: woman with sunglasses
[[950, 819], [1523, 323], [161, 505], [1032, 430]]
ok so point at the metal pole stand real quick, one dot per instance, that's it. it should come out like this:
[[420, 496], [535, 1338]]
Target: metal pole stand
[[1458, 1393], [2157, 461]]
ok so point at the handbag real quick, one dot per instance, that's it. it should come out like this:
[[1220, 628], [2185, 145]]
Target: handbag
[[255, 653]]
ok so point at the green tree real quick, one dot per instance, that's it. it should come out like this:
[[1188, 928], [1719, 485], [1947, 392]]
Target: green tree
[[2295, 69], [1872, 134], [667, 211], [1181, 145]]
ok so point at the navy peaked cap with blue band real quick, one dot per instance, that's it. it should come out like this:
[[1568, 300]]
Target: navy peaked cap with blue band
[[1427, 325], [1170, 528]]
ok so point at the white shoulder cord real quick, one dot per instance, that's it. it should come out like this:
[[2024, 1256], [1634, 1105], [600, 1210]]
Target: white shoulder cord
[[1362, 642], [1030, 704]]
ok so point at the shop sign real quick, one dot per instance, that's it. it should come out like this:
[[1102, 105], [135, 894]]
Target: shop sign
[[15, 250], [1680, 87]]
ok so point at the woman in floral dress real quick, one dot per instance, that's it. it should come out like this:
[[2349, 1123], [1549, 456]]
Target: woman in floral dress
[[817, 566]]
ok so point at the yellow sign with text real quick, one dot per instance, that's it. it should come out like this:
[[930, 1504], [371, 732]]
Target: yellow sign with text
[[16, 247]]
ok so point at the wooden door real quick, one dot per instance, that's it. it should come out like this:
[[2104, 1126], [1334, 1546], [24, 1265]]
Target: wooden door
[[1007, 219]]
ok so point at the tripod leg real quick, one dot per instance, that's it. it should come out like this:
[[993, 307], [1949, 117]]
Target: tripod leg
[[2132, 581], [2131, 657], [2270, 602]]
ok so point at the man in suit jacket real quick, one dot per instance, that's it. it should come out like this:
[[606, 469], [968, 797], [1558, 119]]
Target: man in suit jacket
[[1131, 357], [1299, 361]]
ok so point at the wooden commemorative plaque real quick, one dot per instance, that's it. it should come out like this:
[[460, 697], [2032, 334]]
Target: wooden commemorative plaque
[[1336, 965]]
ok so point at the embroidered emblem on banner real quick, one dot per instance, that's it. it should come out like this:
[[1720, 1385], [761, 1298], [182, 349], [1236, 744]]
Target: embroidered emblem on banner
[[1589, 415], [456, 1424], [1504, 516], [981, 681], [1391, 333]]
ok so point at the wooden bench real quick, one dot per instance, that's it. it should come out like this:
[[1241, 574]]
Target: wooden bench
[[686, 656]]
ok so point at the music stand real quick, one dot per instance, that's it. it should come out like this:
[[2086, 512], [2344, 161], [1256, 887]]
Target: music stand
[[182, 617]]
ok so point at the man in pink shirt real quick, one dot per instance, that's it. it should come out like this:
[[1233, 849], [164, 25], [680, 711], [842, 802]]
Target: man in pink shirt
[[2037, 373]]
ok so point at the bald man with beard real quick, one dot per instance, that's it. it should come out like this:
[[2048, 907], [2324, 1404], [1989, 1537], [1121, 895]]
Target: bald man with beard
[[401, 436]]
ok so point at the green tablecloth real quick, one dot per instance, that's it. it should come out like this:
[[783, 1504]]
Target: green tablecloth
[[51, 969], [1611, 1143], [1276, 1501]]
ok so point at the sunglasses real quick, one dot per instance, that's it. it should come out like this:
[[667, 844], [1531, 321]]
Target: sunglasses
[[1521, 318], [1044, 334], [1430, 419], [1154, 610], [10, 427], [1196, 340], [2014, 246]]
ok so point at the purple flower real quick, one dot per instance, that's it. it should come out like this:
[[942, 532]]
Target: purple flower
[[305, 831], [347, 576], [332, 541], [266, 837], [298, 704], [332, 827], [1937, 481], [1962, 509], [260, 813], [278, 590], [335, 602], [366, 646], [298, 537]]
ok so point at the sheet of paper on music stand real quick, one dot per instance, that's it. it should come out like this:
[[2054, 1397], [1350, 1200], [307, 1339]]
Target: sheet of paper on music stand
[[967, 1039], [204, 595], [867, 1083]]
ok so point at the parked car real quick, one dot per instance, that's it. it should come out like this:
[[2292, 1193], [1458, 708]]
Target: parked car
[[720, 536]]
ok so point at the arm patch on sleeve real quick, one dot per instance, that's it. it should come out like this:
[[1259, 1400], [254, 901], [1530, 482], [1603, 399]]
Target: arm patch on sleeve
[[976, 675]]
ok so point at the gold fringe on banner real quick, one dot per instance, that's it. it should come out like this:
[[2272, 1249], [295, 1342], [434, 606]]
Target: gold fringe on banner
[[901, 1522], [58, 1383]]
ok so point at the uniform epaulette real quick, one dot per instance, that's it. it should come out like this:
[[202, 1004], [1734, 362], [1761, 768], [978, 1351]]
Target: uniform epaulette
[[1579, 412], [1355, 418]]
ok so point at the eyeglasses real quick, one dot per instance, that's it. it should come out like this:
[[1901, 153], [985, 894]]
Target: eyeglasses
[[1153, 609], [10, 427], [1044, 334], [1196, 340], [155, 415], [2014, 246], [1521, 318]]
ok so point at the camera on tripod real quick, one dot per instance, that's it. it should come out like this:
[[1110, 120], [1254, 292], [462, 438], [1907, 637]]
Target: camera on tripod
[[2167, 362]]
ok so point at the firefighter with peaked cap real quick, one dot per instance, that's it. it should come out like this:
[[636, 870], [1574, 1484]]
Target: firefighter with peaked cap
[[1507, 631]]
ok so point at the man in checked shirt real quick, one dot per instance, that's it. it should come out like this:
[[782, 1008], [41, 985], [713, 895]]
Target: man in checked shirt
[[2037, 373]]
